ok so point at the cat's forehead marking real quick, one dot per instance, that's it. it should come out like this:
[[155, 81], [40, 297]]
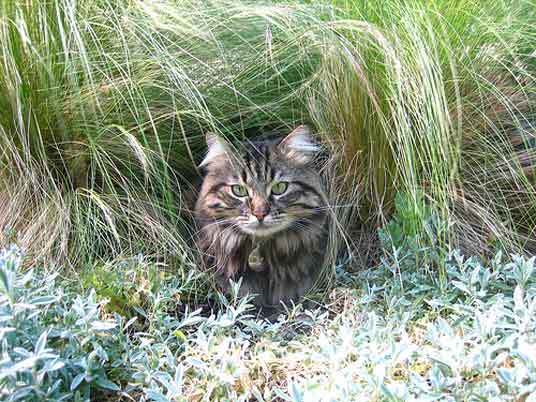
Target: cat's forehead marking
[[256, 166]]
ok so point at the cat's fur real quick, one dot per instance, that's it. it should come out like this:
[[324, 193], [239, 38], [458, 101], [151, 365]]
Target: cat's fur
[[290, 242]]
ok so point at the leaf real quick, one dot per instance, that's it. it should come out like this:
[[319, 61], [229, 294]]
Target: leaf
[[107, 384], [156, 396], [22, 352], [518, 298], [180, 335], [295, 392], [76, 381], [531, 397], [29, 276], [282, 395], [6, 317], [6, 330], [140, 311], [528, 389], [462, 287], [257, 394], [54, 365], [192, 319], [178, 378], [43, 300], [6, 283], [103, 325], [387, 392], [41, 343], [24, 306], [197, 363], [130, 322], [21, 394]]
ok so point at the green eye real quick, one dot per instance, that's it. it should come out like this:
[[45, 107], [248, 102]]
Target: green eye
[[238, 190], [280, 187]]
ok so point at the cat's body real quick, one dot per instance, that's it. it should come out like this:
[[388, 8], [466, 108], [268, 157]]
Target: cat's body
[[262, 216]]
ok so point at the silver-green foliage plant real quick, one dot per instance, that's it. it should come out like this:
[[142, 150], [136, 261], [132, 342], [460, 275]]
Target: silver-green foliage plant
[[393, 335], [55, 344], [395, 332]]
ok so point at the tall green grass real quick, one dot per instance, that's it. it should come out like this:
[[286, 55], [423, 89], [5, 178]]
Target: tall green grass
[[103, 106], [437, 98]]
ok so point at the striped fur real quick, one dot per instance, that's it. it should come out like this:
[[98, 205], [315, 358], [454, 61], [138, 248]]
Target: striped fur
[[288, 230]]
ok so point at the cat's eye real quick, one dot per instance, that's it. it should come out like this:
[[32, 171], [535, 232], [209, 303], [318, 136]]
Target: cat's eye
[[280, 187], [239, 190]]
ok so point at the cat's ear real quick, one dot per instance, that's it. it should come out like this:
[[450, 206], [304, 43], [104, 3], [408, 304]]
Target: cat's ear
[[217, 146], [299, 146]]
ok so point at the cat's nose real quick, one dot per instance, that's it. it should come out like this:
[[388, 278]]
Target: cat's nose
[[260, 215], [260, 210]]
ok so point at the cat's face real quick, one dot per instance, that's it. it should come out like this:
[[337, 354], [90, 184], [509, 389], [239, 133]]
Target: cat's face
[[263, 188]]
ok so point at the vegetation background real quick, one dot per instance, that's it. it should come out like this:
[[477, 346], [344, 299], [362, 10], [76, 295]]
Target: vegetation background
[[426, 110]]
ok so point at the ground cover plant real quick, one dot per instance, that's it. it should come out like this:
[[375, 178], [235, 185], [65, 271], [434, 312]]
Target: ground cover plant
[[394, 332], [426, 113]]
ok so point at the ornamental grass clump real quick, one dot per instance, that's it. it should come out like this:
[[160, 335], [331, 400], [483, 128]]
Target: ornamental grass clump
[[104, 106]]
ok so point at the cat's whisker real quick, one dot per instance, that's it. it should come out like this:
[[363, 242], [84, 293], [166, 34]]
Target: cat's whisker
[[308, 225], [305, 227], [217, 223], [330, 207], [223, 234]]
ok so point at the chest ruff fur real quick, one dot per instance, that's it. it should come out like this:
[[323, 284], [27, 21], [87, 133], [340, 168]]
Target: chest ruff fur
[[280, 269]]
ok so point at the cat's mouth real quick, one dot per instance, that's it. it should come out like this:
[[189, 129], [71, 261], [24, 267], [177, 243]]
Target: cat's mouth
[[266, 228]]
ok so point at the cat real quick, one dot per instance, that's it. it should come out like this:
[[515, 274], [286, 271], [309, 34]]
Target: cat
[[262, 215]]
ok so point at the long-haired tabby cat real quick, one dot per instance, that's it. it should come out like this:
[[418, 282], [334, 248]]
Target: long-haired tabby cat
[[262, 215]]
